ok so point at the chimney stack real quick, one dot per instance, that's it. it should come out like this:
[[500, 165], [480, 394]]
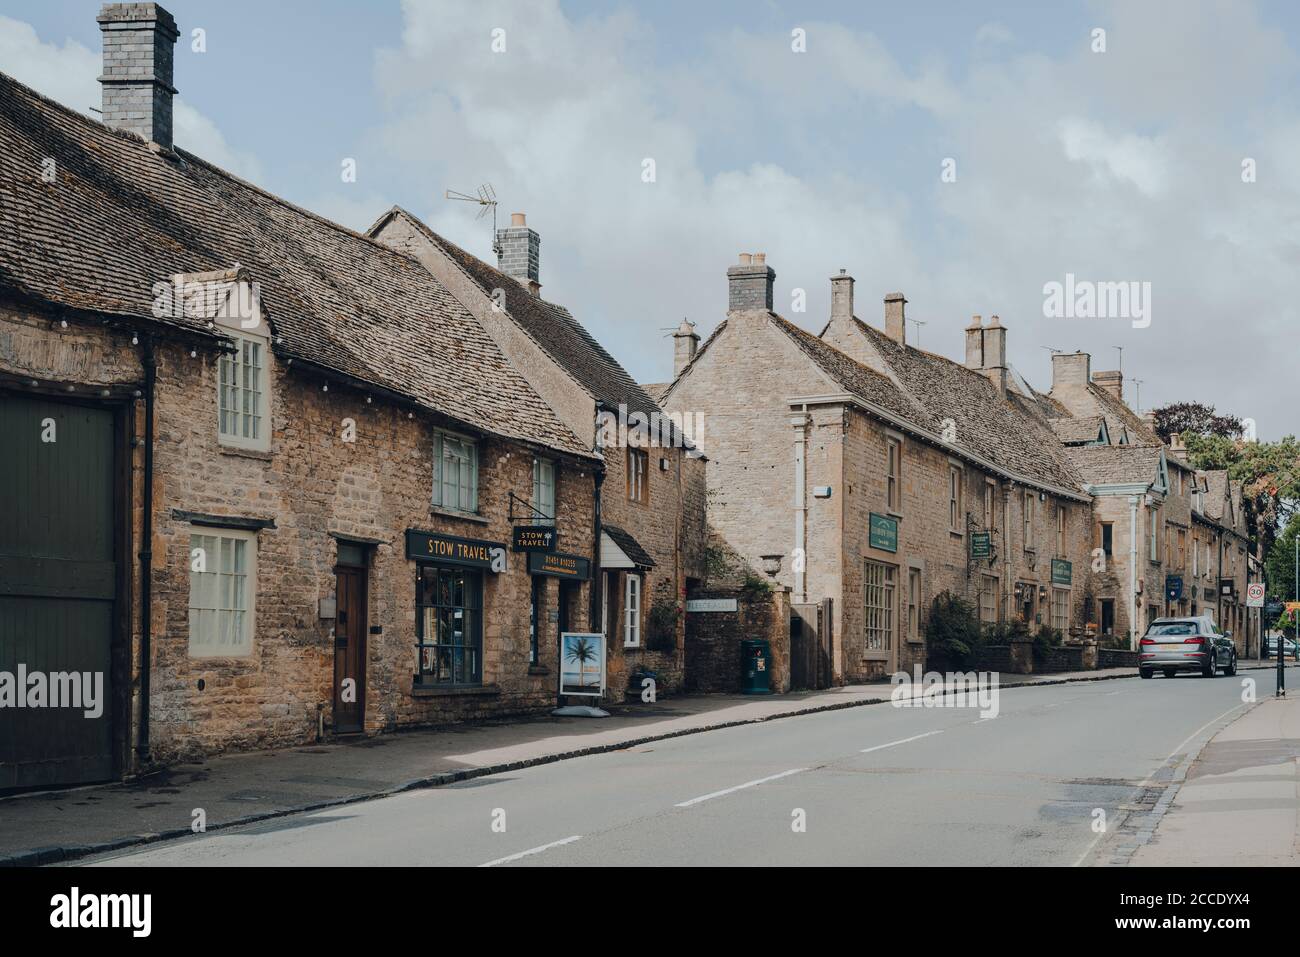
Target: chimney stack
[[139, 41], [685, 343], [841, 296], [975, 344], [1112, 382], [896, 318], [1070, 369], [519, 252], [749, 284], [995, 353]]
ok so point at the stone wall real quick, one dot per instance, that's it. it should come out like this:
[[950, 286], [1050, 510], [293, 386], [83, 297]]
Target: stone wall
[[713, 655]]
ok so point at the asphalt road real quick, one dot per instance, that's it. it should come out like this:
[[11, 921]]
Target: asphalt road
[[876, 786]]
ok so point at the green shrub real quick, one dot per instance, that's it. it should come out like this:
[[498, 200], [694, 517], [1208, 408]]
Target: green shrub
[[661, 626], [953, 630], [1046, 639], [1005, 632]]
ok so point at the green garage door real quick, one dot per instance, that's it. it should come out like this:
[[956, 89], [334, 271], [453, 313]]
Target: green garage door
[[57, 580]]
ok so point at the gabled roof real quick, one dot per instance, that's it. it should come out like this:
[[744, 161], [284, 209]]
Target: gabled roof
[[1088, 430], [997, 428], [549, 324], [120, 217], [629, 546], [1216, 492], [1120, 464]]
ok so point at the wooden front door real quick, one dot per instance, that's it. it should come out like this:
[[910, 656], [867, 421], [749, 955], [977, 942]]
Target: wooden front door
[[58, 589], [350, 650]]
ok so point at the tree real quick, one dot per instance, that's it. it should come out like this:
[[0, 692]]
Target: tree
[[1179, 417], [1279, 565]]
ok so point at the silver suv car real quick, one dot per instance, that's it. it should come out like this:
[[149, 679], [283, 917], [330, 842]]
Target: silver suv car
[[1172, 645]]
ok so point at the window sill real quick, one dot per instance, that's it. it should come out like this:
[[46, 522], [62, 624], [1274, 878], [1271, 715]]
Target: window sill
[[262, 455], [453, 691], [538, 670], [474, 517], [916, 641], [875, 656]]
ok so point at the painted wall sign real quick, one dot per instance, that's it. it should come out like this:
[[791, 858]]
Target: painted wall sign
[[582, 664], [533, 538], [883, 533], [1062, 572], [450, 550], [559, 565], [711, 604]]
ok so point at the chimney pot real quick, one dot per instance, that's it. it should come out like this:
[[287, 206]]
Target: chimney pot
[[760, 259], [518, 219], [138, 50], [746, 259]]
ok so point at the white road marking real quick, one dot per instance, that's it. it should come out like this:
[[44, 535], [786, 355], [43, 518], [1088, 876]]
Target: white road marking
[[531, 851], [739, 787], [915, 737]]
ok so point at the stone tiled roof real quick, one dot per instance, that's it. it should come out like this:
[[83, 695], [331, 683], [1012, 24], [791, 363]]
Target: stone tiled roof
[[1216, 492], [857, 379], [1078, 431], [1116, 464], [657, 390], [630, 546], [999, 429], [553, 328], [119, 217]]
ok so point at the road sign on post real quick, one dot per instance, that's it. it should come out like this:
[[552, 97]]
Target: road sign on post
[[1255, 595]]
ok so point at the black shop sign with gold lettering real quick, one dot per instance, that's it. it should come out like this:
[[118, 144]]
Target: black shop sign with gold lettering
[[533, 538], [450, 550], [559, 565]]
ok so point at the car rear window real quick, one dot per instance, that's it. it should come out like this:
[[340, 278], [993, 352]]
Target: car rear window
[[1174, 629]]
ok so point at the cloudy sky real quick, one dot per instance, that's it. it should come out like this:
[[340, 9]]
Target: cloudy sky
[[1122, 165]]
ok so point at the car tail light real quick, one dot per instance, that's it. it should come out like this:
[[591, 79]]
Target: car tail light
[[1146, 641], [1192, 641]]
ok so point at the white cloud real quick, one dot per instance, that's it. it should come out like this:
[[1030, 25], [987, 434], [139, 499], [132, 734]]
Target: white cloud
[[68, 74]]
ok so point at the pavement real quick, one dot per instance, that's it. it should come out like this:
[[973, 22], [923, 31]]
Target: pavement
[[644, 787], [1239, 801]]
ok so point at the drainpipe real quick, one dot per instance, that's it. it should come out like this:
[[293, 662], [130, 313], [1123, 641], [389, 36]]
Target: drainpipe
[[800, 424], [146, 551], [1132, 572], [595, 606]]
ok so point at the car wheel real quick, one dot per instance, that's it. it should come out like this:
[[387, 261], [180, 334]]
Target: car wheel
[[1231, 670], [1211, 669], [1144, 672], [1170, 673]]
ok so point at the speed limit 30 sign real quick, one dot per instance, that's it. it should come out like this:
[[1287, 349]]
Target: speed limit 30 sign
[[1255, 595]]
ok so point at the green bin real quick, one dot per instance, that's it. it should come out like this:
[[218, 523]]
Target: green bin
[[755, 666]]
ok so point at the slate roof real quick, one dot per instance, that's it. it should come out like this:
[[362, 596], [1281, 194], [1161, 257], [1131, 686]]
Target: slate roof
[[551, 326], [998, 429], [1078, 431], [120, 217], [1116, 464], [630, 546], [1216, 485]]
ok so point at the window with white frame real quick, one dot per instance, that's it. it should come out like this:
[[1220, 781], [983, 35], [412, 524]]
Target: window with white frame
[[894, 474], [243, 393], [632, 612], [543, 492], [1060, 529], [1196, 557], [1154, 538], [455, 472], [954, 498], [1028, 500], [989, 599], [990, 505], [878, 603], [223, 580], [1061, 609]]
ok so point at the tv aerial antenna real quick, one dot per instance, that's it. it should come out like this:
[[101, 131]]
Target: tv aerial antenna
[[487, 199], [918, 323]]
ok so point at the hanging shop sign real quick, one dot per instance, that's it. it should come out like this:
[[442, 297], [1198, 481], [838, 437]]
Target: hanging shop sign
[[533, 538]]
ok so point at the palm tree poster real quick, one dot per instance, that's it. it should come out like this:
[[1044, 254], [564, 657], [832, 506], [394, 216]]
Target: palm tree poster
[[582, 664]]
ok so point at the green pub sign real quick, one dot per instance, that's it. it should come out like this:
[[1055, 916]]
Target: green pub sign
[[884, 533], [1062, 572], [981, 545]]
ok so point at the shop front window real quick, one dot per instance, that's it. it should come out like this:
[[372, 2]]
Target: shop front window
[[450, 624]]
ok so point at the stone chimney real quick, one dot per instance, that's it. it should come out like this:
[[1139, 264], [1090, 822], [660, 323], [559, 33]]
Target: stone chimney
[[749, 284], [1112, 382], [995, 353], [1070, 368], [896, 317], [139, 41], [685, 343], [841, 296], [519, 252], [975, 344]]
